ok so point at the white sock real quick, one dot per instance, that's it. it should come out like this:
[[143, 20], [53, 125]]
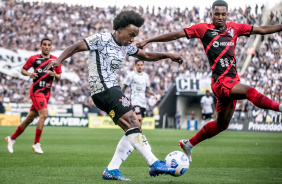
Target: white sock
[[140, 143], [280, 107], [123, 150]]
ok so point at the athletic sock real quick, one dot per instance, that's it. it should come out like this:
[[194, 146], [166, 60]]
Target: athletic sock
[[123, 150], [140, 143], [209, 130], [38, 133], [17, 133], [261, 101]]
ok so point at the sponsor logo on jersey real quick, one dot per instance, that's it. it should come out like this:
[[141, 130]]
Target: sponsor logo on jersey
[[38, 62], [216, 44], [125, 102], [112, 114]]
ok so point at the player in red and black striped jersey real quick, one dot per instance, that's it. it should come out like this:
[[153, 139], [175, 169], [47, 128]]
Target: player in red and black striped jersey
[[219, 40], [39, 92]]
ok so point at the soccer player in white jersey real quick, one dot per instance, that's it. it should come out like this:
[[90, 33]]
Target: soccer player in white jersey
[[106, 52], [208, 108], [139, 83]]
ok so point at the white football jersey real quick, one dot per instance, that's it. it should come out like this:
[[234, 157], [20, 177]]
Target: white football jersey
[[207, 104], [138, 82], [104, 60]]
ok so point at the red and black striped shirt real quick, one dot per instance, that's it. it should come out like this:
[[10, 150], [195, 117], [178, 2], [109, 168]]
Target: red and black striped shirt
[[43, 82], [220, 45]]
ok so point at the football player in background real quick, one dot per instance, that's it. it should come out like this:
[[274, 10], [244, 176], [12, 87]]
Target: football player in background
[[39, 93], [139, 83]]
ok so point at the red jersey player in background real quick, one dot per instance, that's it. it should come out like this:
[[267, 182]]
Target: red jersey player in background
[[39, 92], [219, 40]]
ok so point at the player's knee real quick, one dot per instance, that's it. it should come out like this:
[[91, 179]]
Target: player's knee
[[44, 115]]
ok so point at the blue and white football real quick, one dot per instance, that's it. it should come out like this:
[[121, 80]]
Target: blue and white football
[[179, 161]]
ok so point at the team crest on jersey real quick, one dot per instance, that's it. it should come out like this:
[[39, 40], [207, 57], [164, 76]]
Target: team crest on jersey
[[230, 32], [112, 114], [125, 102]]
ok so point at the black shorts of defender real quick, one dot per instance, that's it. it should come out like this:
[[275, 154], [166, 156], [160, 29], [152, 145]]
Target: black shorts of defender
[[113, 102], [139, 110], [206, 116]]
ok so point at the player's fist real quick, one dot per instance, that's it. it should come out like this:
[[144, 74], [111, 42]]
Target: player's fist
[[33, 75], [176, 58], [141, 45]]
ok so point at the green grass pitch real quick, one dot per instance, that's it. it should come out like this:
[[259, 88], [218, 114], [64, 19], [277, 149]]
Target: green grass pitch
[[80, 155]]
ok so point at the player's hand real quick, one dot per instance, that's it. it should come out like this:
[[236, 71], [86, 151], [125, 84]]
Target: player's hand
[[52, 73], [176, 58], [33, 75], [141, 45], [52, 64]]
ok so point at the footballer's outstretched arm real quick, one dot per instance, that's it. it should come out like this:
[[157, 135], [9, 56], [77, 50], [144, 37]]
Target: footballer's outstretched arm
[[163, 38], [155, 56], [71, 50], [267, 29]]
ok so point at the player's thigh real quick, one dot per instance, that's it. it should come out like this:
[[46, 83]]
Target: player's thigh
[[39, 101], [129, 120], [225, 116], [31, 115], [239, 91]]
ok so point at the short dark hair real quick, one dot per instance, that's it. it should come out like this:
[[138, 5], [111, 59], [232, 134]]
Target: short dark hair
[[136, 61], [220, 3], [125, 18], [44, 40]]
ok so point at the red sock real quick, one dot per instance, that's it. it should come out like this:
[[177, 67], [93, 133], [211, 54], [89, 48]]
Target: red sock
[[37, 135], [260, 100], [209, 130], [17, 133]]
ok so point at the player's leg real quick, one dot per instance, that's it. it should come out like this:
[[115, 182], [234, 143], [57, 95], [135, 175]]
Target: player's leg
[[203, 120], [242, 91], [132, 127], [43, 114], [11, 139], [207, 131], [139, 113]]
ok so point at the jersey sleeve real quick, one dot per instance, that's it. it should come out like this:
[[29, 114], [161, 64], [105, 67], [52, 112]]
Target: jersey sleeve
[[59, 69], [243, 29], [29, 63], [202, 100], [128, 79], [94, 42], [132, 50], [196, 31]]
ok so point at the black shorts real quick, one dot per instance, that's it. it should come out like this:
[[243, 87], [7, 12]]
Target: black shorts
[[206, 116], [139, 110], [113, 102]]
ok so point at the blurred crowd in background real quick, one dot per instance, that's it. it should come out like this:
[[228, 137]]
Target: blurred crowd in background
[[23, 25]]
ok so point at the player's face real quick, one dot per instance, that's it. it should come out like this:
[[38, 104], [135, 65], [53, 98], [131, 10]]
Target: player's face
[[46, 47], [127, 35], [207, 93], [219, 15], [139, 66]]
